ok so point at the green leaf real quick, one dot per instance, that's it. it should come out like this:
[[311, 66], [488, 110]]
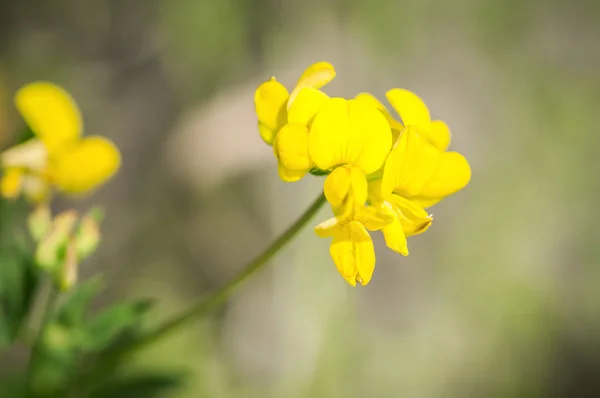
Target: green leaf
[[73, 309], [111, 324], [148, 385], [18, 285]]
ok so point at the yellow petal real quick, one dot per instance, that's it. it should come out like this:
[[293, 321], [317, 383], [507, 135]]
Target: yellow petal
[[36, 188], [306, 105], [51, 113], [291, 147], [269, 102], [395, 238], [374, 218], [426, 202], [328, 228], [267, 135], [86, 165], [31, 155], [346, 184], [353, 253], [315, 76], [410, 107], [410, 165], [452, 175], [438, 134], [349, 132], [374, 192], [414, 219], [11, 183], [373, 101], [290, 175]]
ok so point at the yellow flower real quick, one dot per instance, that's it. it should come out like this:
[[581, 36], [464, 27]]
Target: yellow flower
[[416, 175], [58, 157], [352, 248], [351, 138], [285, 118]]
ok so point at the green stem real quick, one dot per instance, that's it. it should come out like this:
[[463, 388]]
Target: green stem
[[48, 294], [253, 267], [204, 306]]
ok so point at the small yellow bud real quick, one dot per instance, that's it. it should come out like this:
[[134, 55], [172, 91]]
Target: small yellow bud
[[51, 248], [68, 275], [87, 236], [39, 222]]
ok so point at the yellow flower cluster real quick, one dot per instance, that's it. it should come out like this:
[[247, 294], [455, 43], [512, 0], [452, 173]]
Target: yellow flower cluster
[[382, 173], [58, 158]]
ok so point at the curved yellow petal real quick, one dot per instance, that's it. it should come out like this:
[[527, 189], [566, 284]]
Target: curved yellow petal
[[328, 228], [346, 184], [291, 147], [270, 100], [373, 101], [306, 105], [85, 165], [373, 218], [11, 183], [50, 112], [410, 107], [349, 132], [438, 134], [410, 165], [315, 76], [395, 238], [30, 155], [290, 175], [267, 135], [353, 253], [452, 175], [414, 219], [426, 202]]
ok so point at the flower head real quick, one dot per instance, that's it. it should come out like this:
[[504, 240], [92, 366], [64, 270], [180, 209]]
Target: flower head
[[58, 157], [382, 173]]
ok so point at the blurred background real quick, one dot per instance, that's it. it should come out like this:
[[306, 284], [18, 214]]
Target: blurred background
[[499, 298]]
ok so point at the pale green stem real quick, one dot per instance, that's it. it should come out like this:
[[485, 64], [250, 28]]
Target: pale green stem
[[204, 306]]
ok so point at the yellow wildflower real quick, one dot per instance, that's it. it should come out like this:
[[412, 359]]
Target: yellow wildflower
[[285, 117], [352, 139], [58, 157]]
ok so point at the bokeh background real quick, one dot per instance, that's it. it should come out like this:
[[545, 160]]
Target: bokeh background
[[500, 298]]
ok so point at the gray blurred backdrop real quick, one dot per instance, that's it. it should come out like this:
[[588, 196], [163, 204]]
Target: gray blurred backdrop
[[499, 298]]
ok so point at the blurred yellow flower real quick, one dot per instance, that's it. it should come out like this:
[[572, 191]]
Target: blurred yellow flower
[[284, 118], [58, 157]]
